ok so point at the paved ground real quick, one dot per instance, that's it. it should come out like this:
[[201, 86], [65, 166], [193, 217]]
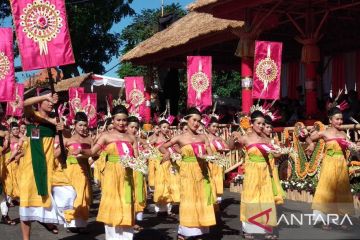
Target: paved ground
[[228, 227]]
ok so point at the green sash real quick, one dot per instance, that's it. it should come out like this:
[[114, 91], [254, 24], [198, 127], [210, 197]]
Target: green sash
[[38, 156], [71, 160], [208, 189], [127, 179], [332, 152], [139, 187]]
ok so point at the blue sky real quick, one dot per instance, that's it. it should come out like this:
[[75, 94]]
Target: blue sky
[[137, 5]]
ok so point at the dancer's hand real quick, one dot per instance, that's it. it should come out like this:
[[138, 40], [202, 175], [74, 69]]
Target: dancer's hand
[[60, 126], [53, 98]]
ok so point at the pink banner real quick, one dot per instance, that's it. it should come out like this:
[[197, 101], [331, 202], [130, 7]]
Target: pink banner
[[267, 70], [42, 32], [75, 97], [7, 73], [89, 106], [199, 74], [135, 95], [16, 108]]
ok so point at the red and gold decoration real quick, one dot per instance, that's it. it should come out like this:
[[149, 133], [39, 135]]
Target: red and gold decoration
[[135, 96], [7, 73], [89, 106], [42, 32], [16, 108], [267, 69], [199, 74], [75, 96]]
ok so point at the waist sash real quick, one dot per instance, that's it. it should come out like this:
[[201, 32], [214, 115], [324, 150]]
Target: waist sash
[[38, 156]]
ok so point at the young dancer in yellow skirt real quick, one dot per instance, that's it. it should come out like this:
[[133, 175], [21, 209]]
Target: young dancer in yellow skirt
[[78, 170], [257, 196], [197, 194], [138, 177], [333, 194], [279, 192], [11, 164], [217, 145], [164, 193], [152, 160], [4, 208], [116, 208]]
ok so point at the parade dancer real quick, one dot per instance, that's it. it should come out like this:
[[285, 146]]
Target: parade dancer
[[268, 130], [217, 145], [165, 193], [36, 202], [197, 197], [78, 171], [333, 192], [138, 177], [152, 160], [11, 165], [257, 195], [4, 208], [116, 208]]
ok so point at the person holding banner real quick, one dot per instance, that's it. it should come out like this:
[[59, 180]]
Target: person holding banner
[[197, 197], [257, 195], [78, 171], [116, 209], [36, 203]]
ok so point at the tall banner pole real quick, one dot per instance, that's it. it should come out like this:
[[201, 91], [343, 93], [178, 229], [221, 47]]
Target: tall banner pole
[[61, 139]]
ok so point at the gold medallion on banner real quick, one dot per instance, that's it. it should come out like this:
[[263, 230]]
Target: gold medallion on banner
[[200, 83], [266, 71], [136, 97], [41, 22]]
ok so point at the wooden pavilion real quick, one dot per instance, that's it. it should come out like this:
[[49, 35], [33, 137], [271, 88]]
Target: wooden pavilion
[[320, 37]]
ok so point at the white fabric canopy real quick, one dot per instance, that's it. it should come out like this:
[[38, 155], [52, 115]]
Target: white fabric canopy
[[99, 80]]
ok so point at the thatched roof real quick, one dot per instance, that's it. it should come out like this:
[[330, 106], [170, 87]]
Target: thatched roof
[[200, 3], [62, 85], [183, 32]]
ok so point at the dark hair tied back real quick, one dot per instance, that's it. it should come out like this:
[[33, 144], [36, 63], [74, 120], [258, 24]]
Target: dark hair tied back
[[333, 111], [81, 117], [192, 111], [133, 119], [256, 114], [268, 120], [120, 109]]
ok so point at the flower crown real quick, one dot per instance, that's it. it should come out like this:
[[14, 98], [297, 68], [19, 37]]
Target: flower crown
[[119, 101], [11, 119], [135, 114]]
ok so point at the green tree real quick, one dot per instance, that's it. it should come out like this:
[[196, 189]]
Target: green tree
[[5, 10], [144, 25]]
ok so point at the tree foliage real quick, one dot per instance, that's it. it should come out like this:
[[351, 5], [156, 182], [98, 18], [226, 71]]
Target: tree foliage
[[144, 25]]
